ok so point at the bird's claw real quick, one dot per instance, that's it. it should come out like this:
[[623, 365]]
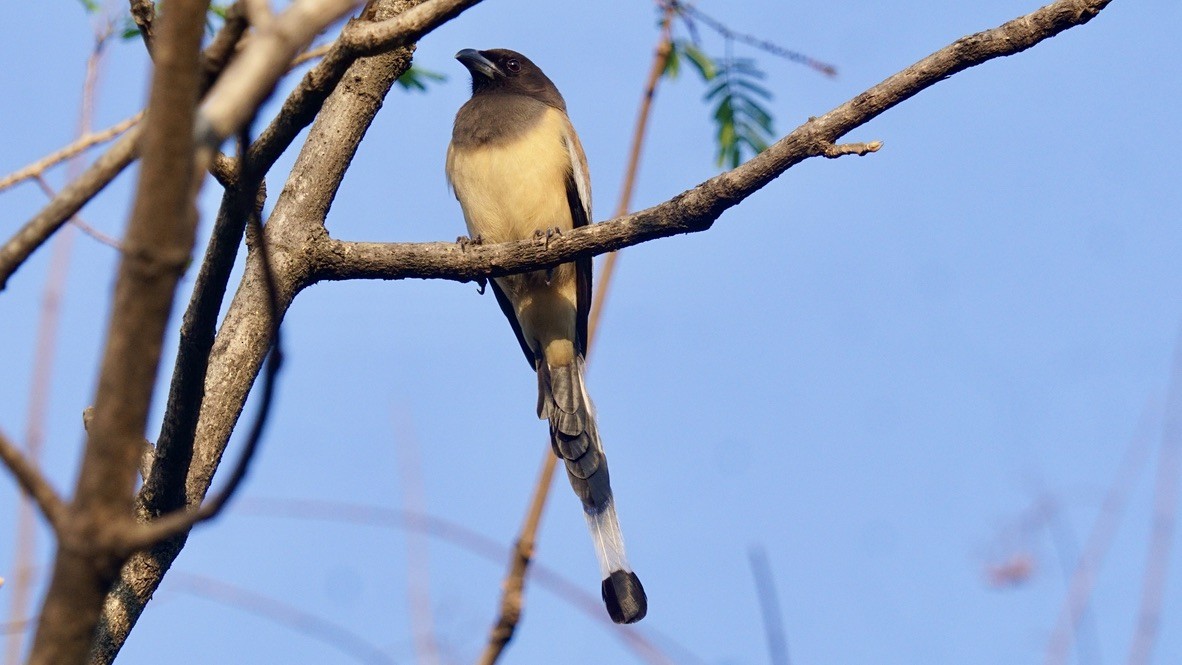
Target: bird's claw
[[465, 242], [482, 282], [544, 236]]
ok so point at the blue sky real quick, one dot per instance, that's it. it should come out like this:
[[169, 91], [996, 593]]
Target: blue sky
[[875, 368]]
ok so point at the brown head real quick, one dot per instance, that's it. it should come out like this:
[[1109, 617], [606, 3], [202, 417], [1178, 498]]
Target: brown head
[[500, 71]]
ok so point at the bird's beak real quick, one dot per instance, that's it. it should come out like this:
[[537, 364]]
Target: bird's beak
[[477, 63]]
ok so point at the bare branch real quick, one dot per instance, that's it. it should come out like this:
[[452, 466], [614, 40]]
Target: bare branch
[[131, 536], [1079, 588], [77, 220], [696, 209], [1167, 487], [834, 151], [769, 606], [338, 636], [302, 105], [252, 76], [68, 202], [312, 54], [34, 483], [519, 560], [639, 132], [406, 28], [83, 143], [158, 243], [242, 342], [575, 595], [221, 48]]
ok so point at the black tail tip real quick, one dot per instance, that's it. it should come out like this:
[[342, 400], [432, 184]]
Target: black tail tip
[[624, 597]]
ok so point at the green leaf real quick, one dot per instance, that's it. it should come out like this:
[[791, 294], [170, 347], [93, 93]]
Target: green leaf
[[743, 125], [91, 6], [752, 87], [702, 62], [417, 79], [129, 31]]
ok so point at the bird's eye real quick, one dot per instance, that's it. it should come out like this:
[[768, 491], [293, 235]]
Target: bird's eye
[[512, 65]]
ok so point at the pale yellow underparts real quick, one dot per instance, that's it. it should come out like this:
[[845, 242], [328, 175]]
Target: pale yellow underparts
[[508, 192]]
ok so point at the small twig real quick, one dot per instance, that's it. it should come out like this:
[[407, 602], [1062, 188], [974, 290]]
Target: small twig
[[519, 560], [834, 151], [660, 61], [77, 220], [338, 636], [34, 483], [143, 12], [475, 543], [69, 201], [312, 54], [1165, 512], [769, 605], [418, 560], [83, 143], [1079, 590], [690, 11]]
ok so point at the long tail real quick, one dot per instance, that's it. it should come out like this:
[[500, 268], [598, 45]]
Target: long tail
[[563, 400]]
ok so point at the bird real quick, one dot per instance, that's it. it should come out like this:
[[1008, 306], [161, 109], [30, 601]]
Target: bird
[[519, 172]]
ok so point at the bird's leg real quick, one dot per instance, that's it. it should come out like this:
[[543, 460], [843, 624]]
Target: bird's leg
[[465, 242], [543, 237]]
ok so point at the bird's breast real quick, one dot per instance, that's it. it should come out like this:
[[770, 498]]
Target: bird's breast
[[510, 188]]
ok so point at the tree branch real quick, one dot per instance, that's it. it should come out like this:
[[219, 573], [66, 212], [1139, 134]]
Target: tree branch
[[252, 76], [158, 244], [110, 164], [68, 202], [696, 209], [33, 482], [241, 344], [302, 105]]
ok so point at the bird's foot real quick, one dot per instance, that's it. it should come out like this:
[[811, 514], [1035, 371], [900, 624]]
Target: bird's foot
[[482, 282], [465, 242], [544, 236]]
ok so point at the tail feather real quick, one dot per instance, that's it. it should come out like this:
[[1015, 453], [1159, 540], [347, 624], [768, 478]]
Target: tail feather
[[563, 400]]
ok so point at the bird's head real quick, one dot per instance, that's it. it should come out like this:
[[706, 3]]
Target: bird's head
[[503, 71]]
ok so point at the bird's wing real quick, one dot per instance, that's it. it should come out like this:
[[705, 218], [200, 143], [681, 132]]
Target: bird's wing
[[578, 197], [511, 314]]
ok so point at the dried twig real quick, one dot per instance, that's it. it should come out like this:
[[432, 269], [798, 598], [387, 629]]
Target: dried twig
[[1083, 577], [769, 606], [79, 146], [470, 541], [77, 220], [691, 12], [34, 483], [1165, 512], [519, 560], [337, 636], [67, 203]]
